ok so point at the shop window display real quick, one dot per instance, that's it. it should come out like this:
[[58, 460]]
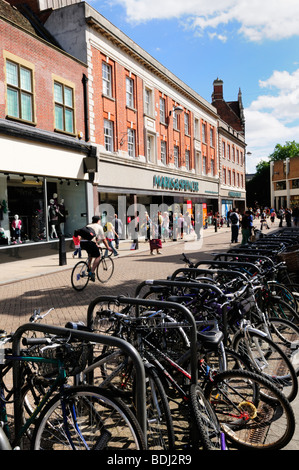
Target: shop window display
[[33, 209]]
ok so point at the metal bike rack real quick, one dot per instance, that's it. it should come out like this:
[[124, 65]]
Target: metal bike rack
[[84, 336], [157, 304], [228, 264], [244, 256], [197, 271]]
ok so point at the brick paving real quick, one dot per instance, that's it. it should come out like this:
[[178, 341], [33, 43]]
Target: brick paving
[[19, 298], [46, 286]]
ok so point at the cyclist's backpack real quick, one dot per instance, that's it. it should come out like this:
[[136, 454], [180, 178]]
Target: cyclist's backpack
[[86, 233]]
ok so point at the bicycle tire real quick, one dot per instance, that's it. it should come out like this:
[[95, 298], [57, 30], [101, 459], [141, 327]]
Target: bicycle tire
[[280, 309], [105, 269], [160, 434], [285, 334], [103, 422], [206, 433], [79, 276], [116, 373], [268, 359], [283, 292], [262, 423]]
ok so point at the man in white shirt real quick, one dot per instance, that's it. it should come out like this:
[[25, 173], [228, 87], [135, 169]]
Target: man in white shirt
[[92, 246]]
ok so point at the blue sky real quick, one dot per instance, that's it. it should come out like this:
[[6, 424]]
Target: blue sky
[[249, 44]]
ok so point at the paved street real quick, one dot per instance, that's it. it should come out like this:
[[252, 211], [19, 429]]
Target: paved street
[[42, 283]]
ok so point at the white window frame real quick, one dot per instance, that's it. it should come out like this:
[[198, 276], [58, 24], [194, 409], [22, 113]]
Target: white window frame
[[186, 123], [176, 154], [204, 165], [162, 109], [129, 92], [107, 79], [204, 133], [175, 121], [163, 152], [150, 148], [148, 102], [109, 135], [131, 143], [187, 159]]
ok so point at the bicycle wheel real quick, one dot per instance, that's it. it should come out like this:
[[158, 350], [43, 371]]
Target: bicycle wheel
[[115, 371], [280, 309], [248, 417], [160, 432], [85, 418], [283, 292], [105, 269], [207, 432], [286, 335], [79, 276], [268, 360]]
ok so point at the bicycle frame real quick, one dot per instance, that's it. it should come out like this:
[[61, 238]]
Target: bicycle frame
[[84, 336], [58, 383]]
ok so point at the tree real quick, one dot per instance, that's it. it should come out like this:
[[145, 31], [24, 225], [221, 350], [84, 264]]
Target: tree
[[258, 188], [281, 152]]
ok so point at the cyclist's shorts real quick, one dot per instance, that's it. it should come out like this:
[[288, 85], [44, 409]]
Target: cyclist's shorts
[[91, 248]]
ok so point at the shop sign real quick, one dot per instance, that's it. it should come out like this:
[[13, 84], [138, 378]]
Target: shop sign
[[234, 194], [165, 182]]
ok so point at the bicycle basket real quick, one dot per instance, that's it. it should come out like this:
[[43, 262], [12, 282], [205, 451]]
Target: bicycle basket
[[291, 258], [73, 356]]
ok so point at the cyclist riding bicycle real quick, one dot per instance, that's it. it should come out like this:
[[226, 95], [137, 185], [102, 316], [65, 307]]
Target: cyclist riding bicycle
[[92, 246]]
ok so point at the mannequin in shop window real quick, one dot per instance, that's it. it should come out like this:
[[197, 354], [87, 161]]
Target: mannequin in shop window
[[16, 227], [62, 215], [53, 218]]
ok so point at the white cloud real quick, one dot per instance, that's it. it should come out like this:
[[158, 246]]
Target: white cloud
[[272, 119], [270, 19]]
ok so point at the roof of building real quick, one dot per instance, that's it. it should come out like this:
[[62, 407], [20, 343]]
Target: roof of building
[[22, 17]]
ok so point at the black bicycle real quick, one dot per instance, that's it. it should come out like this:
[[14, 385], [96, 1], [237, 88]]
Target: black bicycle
[[81, 272]]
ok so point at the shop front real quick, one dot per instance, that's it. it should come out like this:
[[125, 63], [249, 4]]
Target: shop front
[[232, 200], [132, 191], [45, 194], [36, 208]]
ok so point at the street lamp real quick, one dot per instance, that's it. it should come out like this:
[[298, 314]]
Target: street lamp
[[177, 110]]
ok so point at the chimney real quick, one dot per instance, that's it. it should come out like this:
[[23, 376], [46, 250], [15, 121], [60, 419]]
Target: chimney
[[218, 90]]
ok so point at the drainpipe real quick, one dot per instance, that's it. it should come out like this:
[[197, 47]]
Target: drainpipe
[[86, 114]]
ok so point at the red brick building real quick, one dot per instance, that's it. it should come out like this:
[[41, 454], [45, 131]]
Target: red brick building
[[42, 134], [232, 150]]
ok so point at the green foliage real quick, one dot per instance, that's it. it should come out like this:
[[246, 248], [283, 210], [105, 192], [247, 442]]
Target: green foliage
[[281, 152], [262, 168], [258, 189]]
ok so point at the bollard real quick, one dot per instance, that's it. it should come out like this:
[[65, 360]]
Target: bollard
[[62, 251]]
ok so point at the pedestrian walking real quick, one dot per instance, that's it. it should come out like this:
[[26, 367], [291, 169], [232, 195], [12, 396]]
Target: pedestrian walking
[[272, 216], [76, 240], [118, 227], [295, 215], [111, 235], [155, 242], [246, 227], [235, 220], [264, 220], [280, 216], [288, 217]]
